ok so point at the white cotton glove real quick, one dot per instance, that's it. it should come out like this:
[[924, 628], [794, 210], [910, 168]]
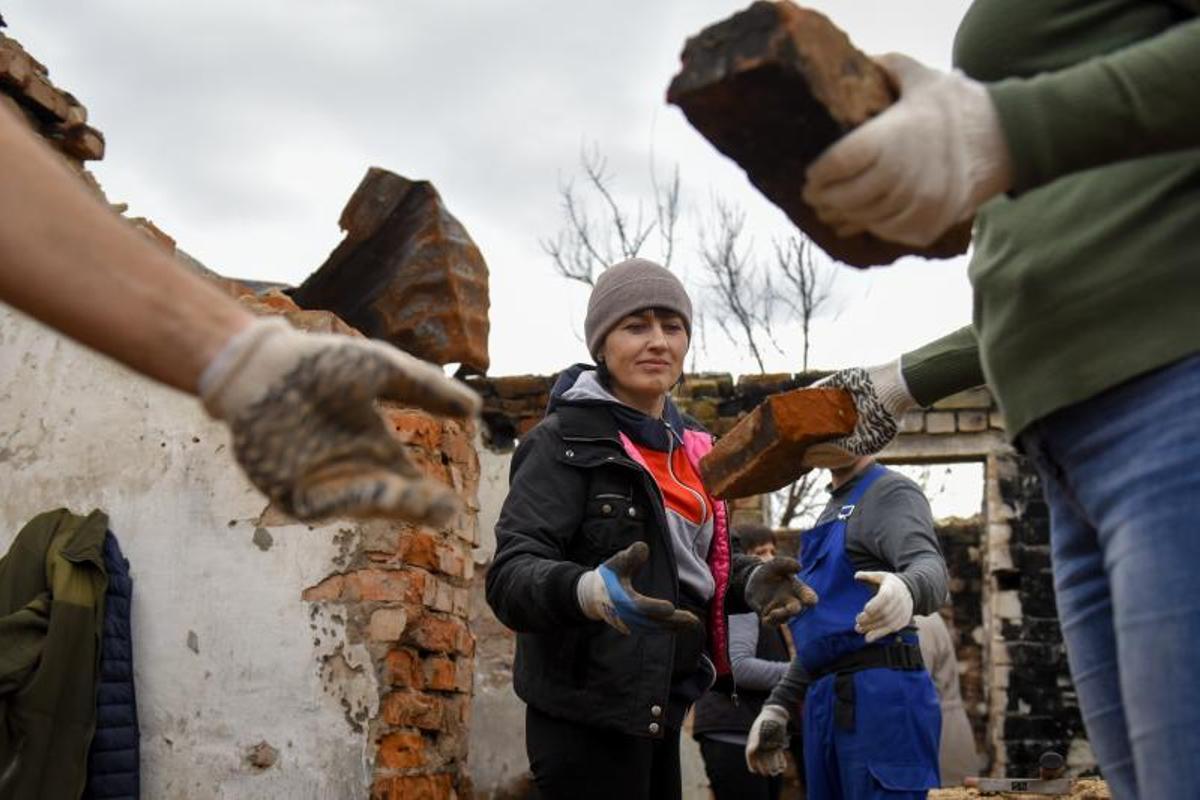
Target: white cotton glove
[[306, 430], [880, 397], [924, 164], [767, 741], [889, 610]]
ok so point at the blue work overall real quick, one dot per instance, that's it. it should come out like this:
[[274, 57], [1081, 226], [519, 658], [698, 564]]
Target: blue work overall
[[868, 732]]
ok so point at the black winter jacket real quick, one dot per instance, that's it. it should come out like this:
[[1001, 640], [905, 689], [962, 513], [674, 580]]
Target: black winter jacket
[[575, 499]]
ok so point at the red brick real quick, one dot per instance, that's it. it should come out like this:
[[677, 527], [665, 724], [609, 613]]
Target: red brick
[[413, 787], [401, 751], [765, 451], [439, 634], [385, 585], [412, 710], [416, 428], [464, 675], [387, 624], [772, 87], [328, 589], [404, 668], [465, 643], [452, 562], [439, 674], [419, 549]]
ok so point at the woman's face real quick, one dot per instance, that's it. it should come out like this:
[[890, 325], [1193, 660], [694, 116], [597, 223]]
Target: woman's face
[[644, 353]]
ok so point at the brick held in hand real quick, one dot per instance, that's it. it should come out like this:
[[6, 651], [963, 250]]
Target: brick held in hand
[[765, 450], [772, 87]]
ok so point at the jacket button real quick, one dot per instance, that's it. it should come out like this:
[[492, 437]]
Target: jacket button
[[606, 509], [654, 727], [656, 711], [632, 511], [570, 454]]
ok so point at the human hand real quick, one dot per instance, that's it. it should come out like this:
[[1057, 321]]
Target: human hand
[[606, 593], [306, 430], [880, 398], [774, 591], [767, 740], [924, 164], [889, 610]]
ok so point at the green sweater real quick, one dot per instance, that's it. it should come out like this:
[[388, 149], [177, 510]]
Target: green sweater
[[1087, 273]]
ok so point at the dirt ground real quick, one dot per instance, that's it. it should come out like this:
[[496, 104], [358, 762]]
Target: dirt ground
[[1084, 789]]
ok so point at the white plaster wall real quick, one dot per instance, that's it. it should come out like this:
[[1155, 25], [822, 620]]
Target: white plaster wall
[[78, 431]]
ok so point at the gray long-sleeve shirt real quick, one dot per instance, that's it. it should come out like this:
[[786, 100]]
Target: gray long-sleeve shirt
[[890, 530]]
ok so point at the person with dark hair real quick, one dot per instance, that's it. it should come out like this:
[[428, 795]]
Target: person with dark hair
[[613, 562], [758, 655]]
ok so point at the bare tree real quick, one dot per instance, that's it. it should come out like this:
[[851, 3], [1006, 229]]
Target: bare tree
[[740, 292], [809, 284], [591, 240]]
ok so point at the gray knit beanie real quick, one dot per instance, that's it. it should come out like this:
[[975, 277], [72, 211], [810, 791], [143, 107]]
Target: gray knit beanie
[[629, 287]]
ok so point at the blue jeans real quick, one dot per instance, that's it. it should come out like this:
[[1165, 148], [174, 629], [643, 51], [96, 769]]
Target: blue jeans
[[1121, 474]]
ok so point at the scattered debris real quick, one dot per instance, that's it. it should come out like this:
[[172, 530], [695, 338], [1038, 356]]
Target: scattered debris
[[262, 756], [193, 642]]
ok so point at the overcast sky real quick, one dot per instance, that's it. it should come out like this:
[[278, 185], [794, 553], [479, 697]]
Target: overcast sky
[[242, 128]]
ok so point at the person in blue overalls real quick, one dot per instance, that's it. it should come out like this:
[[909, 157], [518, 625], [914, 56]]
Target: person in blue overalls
[[871, 716]]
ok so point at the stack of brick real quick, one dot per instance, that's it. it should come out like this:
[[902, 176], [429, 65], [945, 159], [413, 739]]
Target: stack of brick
[[26, 89]]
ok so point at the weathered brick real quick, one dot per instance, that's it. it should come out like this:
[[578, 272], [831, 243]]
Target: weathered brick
[[404, 668], [407, 272], [416, 428], [972, 421], [413, 787], [439, 673], [462, 602], [912, 422], [387, 624], [464, 643], [439, 595], [940, 422], [419, 549], [328, 589], [401, 750], [412, 710], [384, 585], [772, 87], [464, 675], [765, 451], [452, 562], [439, 634]]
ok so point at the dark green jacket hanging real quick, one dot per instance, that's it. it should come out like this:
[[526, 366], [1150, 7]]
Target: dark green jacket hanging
[[52, 583]]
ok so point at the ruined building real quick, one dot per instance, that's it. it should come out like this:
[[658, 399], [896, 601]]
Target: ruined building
[[348, 660]]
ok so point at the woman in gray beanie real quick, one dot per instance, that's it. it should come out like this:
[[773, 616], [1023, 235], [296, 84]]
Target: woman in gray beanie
[[613, 562]]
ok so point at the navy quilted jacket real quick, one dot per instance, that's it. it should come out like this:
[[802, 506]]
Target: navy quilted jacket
[[113, 758]]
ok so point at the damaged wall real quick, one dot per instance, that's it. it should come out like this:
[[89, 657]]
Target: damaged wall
[[272, 659]]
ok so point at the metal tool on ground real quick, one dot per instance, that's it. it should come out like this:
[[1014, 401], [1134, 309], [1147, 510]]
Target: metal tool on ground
[[1050, 780]]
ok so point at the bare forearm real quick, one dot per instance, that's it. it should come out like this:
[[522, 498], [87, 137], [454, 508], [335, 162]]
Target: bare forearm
[[67, 260]]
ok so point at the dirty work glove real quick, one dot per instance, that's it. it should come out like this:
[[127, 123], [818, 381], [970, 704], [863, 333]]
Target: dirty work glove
[[774, 591], [306, 431], [606, 593], [767, 740], [924, 164], [889, 610], [880, 397]]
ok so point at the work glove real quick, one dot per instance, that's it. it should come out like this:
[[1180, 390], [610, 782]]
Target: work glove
[[774, 591], [889, 610], [767, 741], [301, 407], [880, 397], [924, 164], [606, 593]]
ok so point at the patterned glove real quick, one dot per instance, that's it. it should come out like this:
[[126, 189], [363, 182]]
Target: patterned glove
[[889, 610], [767, 740], [775, 593], [306, 431], [606, 593], [881, 397], [927, 162]]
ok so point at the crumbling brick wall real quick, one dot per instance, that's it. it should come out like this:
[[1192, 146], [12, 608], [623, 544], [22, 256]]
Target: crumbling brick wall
[[387, 614]]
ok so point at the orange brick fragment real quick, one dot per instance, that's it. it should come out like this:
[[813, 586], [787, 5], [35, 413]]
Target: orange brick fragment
[[765, 450]]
